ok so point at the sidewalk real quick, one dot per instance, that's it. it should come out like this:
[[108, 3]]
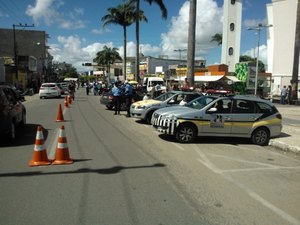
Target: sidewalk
[[289, 140]]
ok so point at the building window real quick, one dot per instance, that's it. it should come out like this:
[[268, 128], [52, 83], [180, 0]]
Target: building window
[[232, 27], [230, 51], [232, 2]]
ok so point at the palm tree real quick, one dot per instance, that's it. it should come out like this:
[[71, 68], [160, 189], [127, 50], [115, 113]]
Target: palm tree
[[124, 15], [107, 57], [295, 75], [137, 31], [217, 38]]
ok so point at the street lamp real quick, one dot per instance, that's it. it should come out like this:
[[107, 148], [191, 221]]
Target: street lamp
[[179, 50], [258, 28]]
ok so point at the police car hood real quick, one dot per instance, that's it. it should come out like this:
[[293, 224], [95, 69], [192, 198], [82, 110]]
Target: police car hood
[[147, 102], [177, 111]]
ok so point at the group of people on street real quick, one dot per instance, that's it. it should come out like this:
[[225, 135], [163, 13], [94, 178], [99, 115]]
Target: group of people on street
[[117, 91], [285, 95]]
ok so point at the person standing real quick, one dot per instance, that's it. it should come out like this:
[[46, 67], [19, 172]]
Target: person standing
[[283, 94], [128, 96], [116, 91], [71, 89]]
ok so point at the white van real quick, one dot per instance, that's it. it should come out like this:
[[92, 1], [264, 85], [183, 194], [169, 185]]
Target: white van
[[149, 81]]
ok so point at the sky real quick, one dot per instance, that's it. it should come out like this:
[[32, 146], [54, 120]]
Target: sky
[[76, 32]]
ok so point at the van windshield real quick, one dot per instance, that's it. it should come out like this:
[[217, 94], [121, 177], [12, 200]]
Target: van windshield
[[155, 82]]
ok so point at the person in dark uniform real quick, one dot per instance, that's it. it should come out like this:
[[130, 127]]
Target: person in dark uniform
[[116, 91], [128, 96]]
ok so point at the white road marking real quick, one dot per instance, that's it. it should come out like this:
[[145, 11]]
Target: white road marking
[[178, 146], [205, 161]]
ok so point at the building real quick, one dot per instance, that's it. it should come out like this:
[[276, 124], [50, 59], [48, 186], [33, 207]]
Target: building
[[28, 54], [281, 40], [232, 23], [163, 66]]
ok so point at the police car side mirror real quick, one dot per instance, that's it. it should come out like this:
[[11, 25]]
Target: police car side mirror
[[172, 101]]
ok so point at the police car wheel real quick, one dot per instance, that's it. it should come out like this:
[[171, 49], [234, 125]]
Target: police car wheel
[[186, 133], [149, 117], [260, 136], [11, 135]]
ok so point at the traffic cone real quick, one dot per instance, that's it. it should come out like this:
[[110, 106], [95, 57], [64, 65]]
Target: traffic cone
[[66, 103], [39, 153], [62, 155], [60, 116], [69, 99]]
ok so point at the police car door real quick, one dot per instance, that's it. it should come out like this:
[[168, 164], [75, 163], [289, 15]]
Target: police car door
[[218, 118], [244, 115]]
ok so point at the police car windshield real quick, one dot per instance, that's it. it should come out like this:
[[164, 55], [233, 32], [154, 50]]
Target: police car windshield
[[201, 102], [165, 96]]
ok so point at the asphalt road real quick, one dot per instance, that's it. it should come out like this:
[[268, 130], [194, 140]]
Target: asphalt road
[[124, 172]]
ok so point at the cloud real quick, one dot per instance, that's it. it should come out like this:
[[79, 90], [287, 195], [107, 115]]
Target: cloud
[[70, 50], [209, 22], [263, 53], [47, 11]]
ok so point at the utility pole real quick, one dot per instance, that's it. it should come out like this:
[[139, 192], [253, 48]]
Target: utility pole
[[16, 46], [258, 28], [180, 50]]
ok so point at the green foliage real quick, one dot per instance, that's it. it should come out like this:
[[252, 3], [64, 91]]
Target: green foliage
[[217, 38], [107, 56], [261, 65]]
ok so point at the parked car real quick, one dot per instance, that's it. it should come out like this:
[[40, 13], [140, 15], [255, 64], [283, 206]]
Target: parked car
[[107, 99], [64, 87], [232, 116], [49, 90], [219, 92], [144, 109], [12, 111]]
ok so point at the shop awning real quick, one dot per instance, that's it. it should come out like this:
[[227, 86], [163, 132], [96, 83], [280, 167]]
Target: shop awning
[[233, 78], [208, 78]]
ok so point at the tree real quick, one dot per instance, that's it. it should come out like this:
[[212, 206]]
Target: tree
[[107, 57], [217, 38], [137, 31], [261, 65], [124, 15], [295, 75]]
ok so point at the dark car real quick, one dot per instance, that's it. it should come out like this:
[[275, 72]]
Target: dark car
[[107, 99], [12, 111]]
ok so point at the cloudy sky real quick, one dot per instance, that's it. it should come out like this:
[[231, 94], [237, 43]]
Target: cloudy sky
[[76, 32]]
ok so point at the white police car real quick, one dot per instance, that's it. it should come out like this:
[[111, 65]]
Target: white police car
[[232, 116]]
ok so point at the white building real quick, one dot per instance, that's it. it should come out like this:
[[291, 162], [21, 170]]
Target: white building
[[232, 23], [282, 15]]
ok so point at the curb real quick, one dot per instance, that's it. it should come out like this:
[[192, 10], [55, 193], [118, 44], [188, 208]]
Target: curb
[[283, 146]]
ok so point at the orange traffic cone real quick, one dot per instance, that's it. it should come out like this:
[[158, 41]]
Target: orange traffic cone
[[39, 153], [62, 151], [69, 99], [66, 103], [60, 116]]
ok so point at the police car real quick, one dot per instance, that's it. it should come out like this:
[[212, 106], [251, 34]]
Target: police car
[[231, 116], [144, 109]]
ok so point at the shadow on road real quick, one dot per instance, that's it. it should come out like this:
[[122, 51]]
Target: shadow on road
[[209, 140], [111, 170]]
